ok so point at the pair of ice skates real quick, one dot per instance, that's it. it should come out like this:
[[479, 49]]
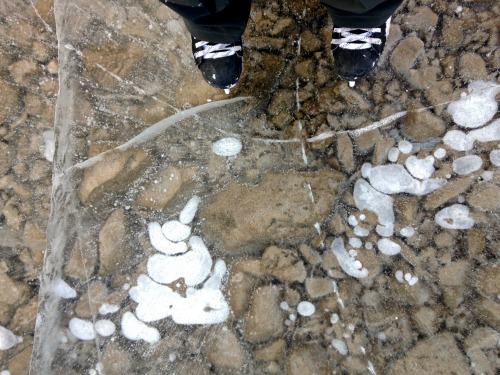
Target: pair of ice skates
[[356, 52]]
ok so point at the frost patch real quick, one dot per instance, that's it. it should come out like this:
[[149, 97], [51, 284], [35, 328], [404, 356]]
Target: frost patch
[[8, 339], [455, 217], [467, 164], [227, 147], [349, 264], [477, 108]]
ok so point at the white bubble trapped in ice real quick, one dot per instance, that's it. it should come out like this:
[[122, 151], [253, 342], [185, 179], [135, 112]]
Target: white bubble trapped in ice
[[407, 231], [227, 147], [189, 211], [194, 266], [82, 329], [175, 231], [368, 246], [487, 175], [399, 276], [8, 339], [105, 327], [360, 231], [106, 309], [400, 180], [334, 318], [366, 197], [346, 262], [352, 220], [440, 153], [340, 346], [405, 147], [393, 154], [49, 147], [355, 242], [420, 168], [495, 157], [388, 247], [478, 107], [455, 217], [467, 164], [284, 305], [385, 230], [161, 243], [61, 289], [134, 329], [305, 308]]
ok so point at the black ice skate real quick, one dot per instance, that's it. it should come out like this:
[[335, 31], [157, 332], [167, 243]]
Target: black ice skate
[[220, 63], [357, 50]]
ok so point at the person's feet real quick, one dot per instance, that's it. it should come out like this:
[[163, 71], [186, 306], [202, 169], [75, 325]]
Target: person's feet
[[219, 63], [357, 50]]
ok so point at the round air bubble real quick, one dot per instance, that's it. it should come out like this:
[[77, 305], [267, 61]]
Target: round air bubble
[[407, 231], [388, 247], [105, 327], [340, 346], [440, 153], [284, 305], [305, 308], [405, 147], [352, 220], [82, 329], [495, 157], [393, 154], [355, 242], [175, 231], [334, 318], [227, 147]]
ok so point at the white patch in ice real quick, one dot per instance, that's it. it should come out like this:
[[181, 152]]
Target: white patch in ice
[[227, 147], [105, 327], [388, 247], [455, 217], [61, 289], [393, 154], [353, 253], [334, 318], [160, 243], [340, 346], [440, 153], [175, 231], [385, 230], [292, 317], [352, 220], [194, 266], [355, 242], [394, 178], [478, 107], [5, 372], [8, 339], [405, 147], [362, 217], [82, 329], [49, 146], [368, 246], [399, 276], [467, 164], [360, 231], [306, 308], [407, 231], [487, 175], [106, 309], [495, 157], [458, 140], [420, 168], [189, 211], [346, 262], [366, 197], [284, 305], [134, 329], [461, 141]]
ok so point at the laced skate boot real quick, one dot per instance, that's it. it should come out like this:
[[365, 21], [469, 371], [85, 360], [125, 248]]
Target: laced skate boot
[[220, 63], [357, 50]]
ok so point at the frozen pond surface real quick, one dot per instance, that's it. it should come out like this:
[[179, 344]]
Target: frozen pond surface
[[295, 226]]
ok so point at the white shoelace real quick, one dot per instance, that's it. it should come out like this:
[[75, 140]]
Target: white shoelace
[[215, 51], [351, 41]]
